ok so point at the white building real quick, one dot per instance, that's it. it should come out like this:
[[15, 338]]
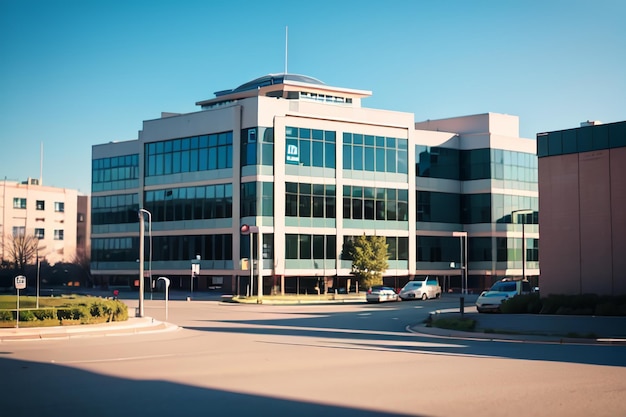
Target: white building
[[310, 167]]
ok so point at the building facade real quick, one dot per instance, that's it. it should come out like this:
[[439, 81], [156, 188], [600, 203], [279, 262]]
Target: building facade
[[582, 183], [310, 167], [56, 216]]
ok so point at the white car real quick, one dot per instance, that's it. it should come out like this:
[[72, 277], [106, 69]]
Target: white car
[[500, 291], [421, 289], [380, 293]]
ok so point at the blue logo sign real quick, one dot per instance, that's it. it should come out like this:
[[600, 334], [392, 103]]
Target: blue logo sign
[[292, 154]]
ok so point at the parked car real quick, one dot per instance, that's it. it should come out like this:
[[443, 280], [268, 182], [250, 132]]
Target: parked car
[[422, 289], [490, 301], [380, 294]]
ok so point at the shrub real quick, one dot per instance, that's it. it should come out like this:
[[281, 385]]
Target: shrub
[[120, 310], [45, 314], [27, 315], [521, 304], [74, 313], [6, 315]]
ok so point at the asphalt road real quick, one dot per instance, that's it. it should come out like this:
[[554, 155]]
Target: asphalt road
[[308, 360]]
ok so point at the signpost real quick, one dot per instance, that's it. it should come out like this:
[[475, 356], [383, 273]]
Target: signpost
[[20, 284], [195, 270], [167, 286]]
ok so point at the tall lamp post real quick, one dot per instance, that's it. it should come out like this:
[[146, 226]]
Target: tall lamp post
[[141, 213], [514, 214], [462, 235]]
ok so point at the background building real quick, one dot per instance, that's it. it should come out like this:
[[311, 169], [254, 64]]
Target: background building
[[311, 168], [59, 217], [582, 183]]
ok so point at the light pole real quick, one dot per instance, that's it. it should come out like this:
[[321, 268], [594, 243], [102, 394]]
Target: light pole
[[514, 214], [140, 213], [463, 249]]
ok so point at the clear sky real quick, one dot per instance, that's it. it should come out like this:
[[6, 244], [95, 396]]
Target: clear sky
[[74, 73]]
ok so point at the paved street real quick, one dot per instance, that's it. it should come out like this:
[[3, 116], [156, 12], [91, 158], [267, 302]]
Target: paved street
[[308, 360]]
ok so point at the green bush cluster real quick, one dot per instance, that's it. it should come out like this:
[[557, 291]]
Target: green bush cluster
[[583, 304], [522, 304], [96, 311]]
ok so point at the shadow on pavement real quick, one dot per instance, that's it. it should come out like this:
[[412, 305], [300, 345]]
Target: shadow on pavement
[[65, 391]]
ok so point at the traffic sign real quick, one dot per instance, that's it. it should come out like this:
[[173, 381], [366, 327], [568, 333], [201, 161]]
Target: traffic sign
[[20, 282]]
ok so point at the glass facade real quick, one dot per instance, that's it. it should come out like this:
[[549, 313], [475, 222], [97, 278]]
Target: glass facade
[[310, 147], [116, 173], [310, 200], [518, 169], [369, 203], [257, 146], [375, 153], [191, 154], [251, 205], [190, 203], [114, 209], [305, 246]]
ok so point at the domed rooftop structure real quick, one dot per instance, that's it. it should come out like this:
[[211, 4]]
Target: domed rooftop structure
[[270, 79]]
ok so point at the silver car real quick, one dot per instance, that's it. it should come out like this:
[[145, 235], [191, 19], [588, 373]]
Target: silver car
[[421, 289], [380, 293]]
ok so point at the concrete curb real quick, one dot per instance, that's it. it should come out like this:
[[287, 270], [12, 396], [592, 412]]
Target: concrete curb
[[131, 326]]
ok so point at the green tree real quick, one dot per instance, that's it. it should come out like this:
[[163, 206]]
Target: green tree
[[369, 260]]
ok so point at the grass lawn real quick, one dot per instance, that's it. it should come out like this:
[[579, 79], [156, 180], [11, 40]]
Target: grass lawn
[[9, 302]]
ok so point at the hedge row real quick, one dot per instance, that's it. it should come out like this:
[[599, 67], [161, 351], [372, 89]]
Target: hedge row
[[583, 305], [97, 311]]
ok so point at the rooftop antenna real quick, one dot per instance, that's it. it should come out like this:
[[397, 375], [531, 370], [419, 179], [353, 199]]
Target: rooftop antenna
[[286, 45], [41, 165]]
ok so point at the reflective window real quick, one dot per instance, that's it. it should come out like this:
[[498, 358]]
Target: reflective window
[[304, 246], [371, 203], [310, 147], [116, 173], [374, 153], [310, 200], [192, 154]]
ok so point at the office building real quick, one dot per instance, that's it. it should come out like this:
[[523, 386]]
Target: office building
[[310, 167]]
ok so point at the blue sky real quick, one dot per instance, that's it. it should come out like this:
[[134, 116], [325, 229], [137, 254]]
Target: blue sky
[[74, 73]]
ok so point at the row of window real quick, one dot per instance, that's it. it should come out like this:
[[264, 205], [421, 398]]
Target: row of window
[[584, 139], [114, 209], [310, 147], [310, 246], [448, 249], [375, 153], [473, 208], [164, 248], [250, 146], [193, 154], [191, 203], [115, 173], [20, 203], [40, 233], [369, 203], [310, 200], [475, 164], [250, 202]]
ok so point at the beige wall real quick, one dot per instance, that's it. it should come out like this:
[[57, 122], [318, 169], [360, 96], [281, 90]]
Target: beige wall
[[48, 219]]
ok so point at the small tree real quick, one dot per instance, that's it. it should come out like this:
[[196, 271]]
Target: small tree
[[369, 260], [20, 249]]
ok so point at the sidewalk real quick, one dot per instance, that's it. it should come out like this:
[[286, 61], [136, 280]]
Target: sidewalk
[[133, 325], [533, 327]]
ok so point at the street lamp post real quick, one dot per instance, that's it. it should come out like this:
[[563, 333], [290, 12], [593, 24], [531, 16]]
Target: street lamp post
[[514, 214], [463, 249], [141, 212]]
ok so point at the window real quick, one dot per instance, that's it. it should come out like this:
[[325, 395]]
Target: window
[[41, 205], [19, 231], [58, 234], [40, 233], [19, 203], [59, 206]]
